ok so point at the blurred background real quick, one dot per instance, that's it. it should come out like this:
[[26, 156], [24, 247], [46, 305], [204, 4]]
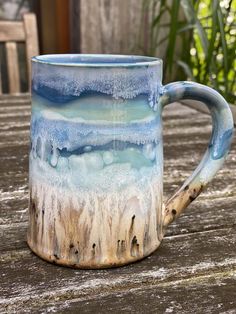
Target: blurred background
[[196, 39]]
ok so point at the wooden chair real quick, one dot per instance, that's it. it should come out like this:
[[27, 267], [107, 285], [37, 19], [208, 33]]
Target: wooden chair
[[12, 33]]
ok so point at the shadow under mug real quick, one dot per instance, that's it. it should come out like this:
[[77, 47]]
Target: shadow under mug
[[96, 158]]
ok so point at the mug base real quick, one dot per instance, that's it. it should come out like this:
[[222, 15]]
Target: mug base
[[67, 263]]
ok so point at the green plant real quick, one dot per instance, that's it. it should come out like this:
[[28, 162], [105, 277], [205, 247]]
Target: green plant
[[206, 31]]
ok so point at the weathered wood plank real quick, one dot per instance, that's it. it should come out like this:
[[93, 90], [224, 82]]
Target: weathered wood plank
[[12, 138], [10, 100], [12, 109], [31, 34], [103, 25], [11, 31], [181, 260], [12, 67], [13, 236], [201, 294], [10, 119], [119, 26], [14, 210]]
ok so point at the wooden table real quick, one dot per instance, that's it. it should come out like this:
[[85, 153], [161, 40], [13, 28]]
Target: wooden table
[[194, 270]]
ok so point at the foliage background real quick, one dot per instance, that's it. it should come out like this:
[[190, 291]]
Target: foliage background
[[206, 31]]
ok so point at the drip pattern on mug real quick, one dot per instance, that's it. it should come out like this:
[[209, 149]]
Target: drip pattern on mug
[[95, 165]]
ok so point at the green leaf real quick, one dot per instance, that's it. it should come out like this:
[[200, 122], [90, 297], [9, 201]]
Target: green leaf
[[224, 46], [210, 60], [172, 35], [192, 18], [158, 17], [185, 28], [206, 28]]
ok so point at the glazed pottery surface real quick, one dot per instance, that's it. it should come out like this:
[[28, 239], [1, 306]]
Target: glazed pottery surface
[[96, 158]]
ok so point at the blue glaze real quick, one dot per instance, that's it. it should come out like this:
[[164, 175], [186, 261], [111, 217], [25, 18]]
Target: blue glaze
[[96, 157], [61, 82], [89, 122], [98, 60], [223, 126], [97, 107], [223, 145], [108, 109], [73, 135]]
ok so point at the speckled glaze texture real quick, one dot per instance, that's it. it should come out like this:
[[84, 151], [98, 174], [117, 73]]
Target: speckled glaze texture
[[217, 149], [96, 160]]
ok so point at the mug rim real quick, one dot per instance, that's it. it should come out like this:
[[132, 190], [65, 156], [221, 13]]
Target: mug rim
[[97, 60]]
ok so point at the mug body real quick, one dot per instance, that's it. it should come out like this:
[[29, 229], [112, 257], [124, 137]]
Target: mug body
[[96, 159]]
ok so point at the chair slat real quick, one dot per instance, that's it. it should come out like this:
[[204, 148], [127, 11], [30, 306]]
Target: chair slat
[[10, 34], [12, 66], [32, 48], [11, 31]]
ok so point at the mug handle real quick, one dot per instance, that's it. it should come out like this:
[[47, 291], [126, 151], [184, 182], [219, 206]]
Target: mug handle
[[218, 147]]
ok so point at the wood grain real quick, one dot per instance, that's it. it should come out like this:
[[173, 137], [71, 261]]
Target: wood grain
[[31, 33], [121, 27], [109, 26], [184, 296], [11, 31], [12, 66], [193, 271], [181, 261]]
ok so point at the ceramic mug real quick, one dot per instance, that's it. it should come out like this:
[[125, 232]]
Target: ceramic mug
[[96, 158]]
